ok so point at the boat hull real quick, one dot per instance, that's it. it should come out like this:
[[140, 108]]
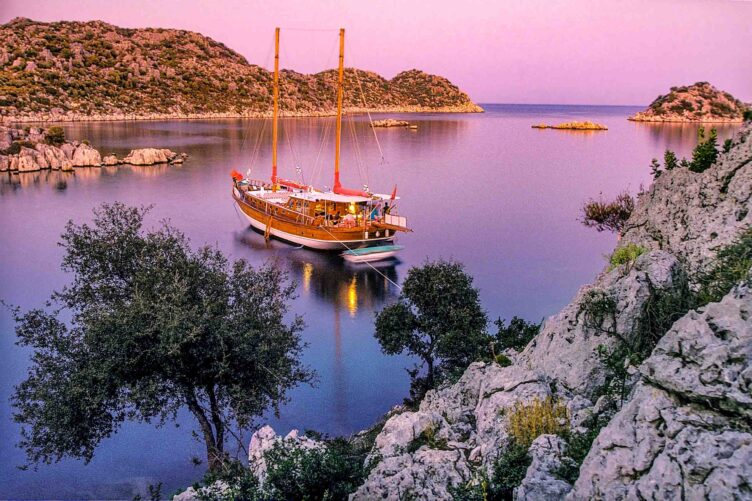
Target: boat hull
[[313, 243], [307, 237]]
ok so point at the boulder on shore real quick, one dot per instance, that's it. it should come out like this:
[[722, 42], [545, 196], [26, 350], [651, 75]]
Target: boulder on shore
[[110, 160], [86, 156], [149, 156]]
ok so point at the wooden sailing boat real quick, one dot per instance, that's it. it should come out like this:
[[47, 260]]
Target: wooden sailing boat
[[338, 219]]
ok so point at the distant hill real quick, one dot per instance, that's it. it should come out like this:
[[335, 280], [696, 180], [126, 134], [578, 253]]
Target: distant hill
[[700, 102], [94, 70]]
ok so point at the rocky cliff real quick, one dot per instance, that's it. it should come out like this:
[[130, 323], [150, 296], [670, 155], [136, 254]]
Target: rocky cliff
[[700, 102], [94, 70]]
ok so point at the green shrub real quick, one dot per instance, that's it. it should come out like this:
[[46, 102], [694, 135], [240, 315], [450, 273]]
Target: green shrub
[[655, 168], [730, 267], [13, 149], [599, 311], [669, 160], [747, 115], [578, 446], [55, 135], [727, 144], [625, 255], [427, 437], [503, 360], [509, 470], [615, 362], [328, 473], [706, 152], [242, 483]]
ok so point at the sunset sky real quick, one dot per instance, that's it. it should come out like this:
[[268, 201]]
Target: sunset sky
[[532, 51]]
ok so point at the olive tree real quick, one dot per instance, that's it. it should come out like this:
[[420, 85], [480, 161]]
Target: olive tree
[[438, 318], [146, 327]]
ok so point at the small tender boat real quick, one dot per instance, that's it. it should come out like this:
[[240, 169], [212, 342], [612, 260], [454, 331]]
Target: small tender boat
[[369, 254]]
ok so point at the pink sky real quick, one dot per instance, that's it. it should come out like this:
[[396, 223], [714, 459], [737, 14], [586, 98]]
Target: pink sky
[[510, 51]]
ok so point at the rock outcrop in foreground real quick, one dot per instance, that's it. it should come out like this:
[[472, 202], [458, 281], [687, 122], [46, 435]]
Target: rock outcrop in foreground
[[700, 102], [686, 432], [28, 151], [68, 71]]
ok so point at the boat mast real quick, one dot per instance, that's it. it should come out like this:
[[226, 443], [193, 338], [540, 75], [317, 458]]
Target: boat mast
[[340, 82], [276, 109]]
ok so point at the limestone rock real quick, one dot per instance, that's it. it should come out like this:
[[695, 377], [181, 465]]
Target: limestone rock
[[707, 356], [54, 156], [6, 137], [217, 490], [110, 160], [86, 156], [566, 349], [68, 149], [149, 156], [4, 163], [467, 429], [685, 434], [29, 160], [540, 482], [264, 439], [694, 214], [425, 474]]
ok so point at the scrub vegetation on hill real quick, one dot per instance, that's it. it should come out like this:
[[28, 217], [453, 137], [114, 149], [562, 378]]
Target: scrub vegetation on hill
[[94, 69]]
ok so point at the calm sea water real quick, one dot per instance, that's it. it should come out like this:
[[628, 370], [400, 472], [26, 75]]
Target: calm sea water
[[484, 189]]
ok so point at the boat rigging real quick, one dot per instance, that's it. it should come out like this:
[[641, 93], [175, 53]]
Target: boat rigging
[[336, 219]]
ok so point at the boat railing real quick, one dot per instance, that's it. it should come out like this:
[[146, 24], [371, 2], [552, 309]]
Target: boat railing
[[394, 220], [270, 208]]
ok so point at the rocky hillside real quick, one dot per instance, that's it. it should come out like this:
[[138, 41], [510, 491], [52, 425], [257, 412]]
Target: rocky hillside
[[700, 102], [669, 422], [94, 70]]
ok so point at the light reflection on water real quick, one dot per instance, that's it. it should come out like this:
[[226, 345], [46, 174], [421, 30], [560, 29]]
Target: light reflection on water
[[484, 189]]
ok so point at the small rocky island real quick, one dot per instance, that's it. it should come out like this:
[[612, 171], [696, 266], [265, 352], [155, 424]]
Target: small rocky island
[[700, 102], [586, 125], [391, 122], [33, 148]]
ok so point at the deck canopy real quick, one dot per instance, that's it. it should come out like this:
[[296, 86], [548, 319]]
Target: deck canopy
[[315, 196]]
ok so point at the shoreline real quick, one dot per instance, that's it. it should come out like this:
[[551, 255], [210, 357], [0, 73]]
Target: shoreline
[[680, 121], [128, 117]]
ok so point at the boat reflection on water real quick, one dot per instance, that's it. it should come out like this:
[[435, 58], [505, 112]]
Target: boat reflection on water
[[327, 277], [349, 292]]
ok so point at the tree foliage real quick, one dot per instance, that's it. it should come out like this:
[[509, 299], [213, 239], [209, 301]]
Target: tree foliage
[[706, 152], [670, 161], [438, 318], [146, 327], [611, 216], [516, 335]]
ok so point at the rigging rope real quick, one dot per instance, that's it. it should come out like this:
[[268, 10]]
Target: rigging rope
[[368, 112]]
